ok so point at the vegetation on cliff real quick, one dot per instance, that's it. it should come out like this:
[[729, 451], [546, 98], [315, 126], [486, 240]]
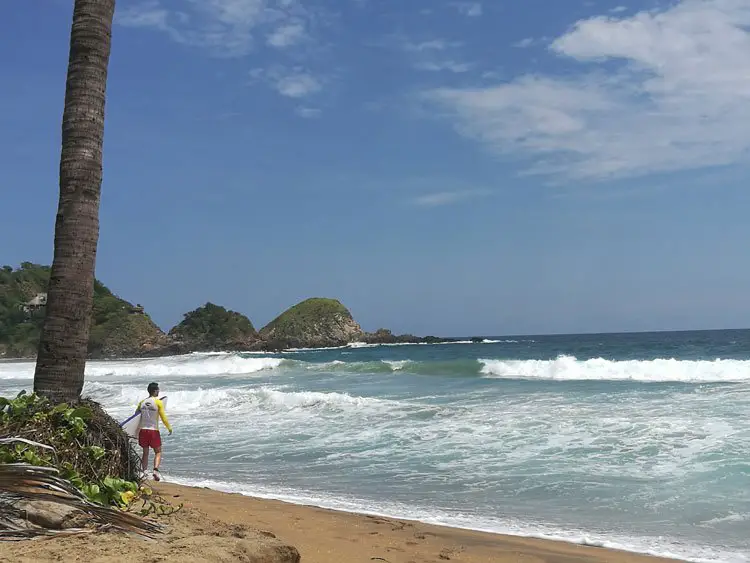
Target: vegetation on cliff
[[118, 327], [121, 329], [315, 322], [19, 327], [213, 327]]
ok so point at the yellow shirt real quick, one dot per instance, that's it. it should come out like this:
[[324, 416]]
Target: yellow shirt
[[152, 409]]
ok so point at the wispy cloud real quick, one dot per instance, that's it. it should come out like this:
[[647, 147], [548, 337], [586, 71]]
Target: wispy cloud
[[677, 97], [443, 65], [436, 55], [470, 9], [430, 46], [287, 35], [149, 14], [237, 28], [293, 82], [225, 27], [530, 42], [447, 198]]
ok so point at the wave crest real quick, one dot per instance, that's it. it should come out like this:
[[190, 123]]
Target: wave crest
[[230, 399], [569, 368]]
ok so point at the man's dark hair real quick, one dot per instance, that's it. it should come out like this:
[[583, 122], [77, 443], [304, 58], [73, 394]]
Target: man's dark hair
[[153, 388]]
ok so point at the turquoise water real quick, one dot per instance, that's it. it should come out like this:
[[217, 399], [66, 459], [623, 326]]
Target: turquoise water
[[637, 441]]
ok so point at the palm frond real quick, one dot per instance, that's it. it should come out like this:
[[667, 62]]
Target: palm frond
[[19, 482]]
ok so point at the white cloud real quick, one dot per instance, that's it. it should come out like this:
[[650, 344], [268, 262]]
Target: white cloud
[[148, 14], [524, 43], [653, 92], [287, 35], [432, 56], [470, 9], [226, 27], [298, 85], [432, 45], [289, 82], [447, 198], [444, 65]]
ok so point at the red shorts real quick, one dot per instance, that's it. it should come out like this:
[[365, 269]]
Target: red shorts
[[149, 439]]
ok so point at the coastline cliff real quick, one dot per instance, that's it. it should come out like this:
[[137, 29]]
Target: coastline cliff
[[121, 329]]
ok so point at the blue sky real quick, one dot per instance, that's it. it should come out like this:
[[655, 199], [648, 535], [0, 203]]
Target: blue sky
[[442, 167]]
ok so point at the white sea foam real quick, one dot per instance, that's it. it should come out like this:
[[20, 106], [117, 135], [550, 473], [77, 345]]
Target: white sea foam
[[313, 399], [568, 368], [200, 401], [224, 364], [366, 345], [396, 365], [116, 396], [16, 369], [183, 366]]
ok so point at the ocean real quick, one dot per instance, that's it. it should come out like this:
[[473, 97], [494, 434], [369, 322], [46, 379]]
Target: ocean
[[633, 441]]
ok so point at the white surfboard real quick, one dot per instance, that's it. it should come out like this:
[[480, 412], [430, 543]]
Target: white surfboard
[[132, 425]]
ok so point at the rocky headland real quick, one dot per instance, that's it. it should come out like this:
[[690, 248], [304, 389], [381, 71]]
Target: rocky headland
[[121, 329]]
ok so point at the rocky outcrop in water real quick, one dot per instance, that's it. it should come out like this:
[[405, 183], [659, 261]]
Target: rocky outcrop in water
[[385, 336], [313, 323], [212, 328]]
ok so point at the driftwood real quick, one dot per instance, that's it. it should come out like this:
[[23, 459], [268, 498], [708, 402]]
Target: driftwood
[[23, 485]]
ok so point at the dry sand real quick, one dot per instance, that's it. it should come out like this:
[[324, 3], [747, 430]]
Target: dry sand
[[216, 526]]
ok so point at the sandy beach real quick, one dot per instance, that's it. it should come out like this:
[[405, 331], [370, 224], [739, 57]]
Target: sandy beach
[[215, 526]]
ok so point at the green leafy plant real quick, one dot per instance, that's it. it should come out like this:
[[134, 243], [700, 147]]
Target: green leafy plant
[[78, 437]]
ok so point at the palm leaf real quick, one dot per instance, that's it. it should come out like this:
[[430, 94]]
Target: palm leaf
[[19, 481]]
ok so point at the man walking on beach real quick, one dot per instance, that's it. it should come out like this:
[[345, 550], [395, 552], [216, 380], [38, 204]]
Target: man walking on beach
[[151, 409]]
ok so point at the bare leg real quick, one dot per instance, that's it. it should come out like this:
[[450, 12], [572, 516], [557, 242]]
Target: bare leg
[[157, 458], [144, 459]]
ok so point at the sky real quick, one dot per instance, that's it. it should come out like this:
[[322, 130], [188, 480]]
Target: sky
[[440, 166]]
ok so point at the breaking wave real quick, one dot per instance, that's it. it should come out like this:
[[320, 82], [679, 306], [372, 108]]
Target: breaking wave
[[202, 400], [187, 365], [562, 368], [568, 368]]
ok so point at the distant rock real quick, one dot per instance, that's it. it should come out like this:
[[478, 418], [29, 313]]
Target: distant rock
[[385, 336], [213, 328], [121, 329], [314, 323], [127, 336]]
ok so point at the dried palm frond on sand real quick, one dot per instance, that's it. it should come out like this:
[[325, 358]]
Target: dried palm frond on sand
[[36, 502]]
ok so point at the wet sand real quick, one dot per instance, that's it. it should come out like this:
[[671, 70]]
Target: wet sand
[[215, 526]]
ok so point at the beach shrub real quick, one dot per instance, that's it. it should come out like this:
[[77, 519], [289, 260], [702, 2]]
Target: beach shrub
[[90, 449]]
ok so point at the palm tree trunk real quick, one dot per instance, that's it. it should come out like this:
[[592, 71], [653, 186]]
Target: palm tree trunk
[[64, 340]]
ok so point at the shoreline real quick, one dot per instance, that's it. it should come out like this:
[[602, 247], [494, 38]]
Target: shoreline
[[450, 542], [214, 525], [450, 527]]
